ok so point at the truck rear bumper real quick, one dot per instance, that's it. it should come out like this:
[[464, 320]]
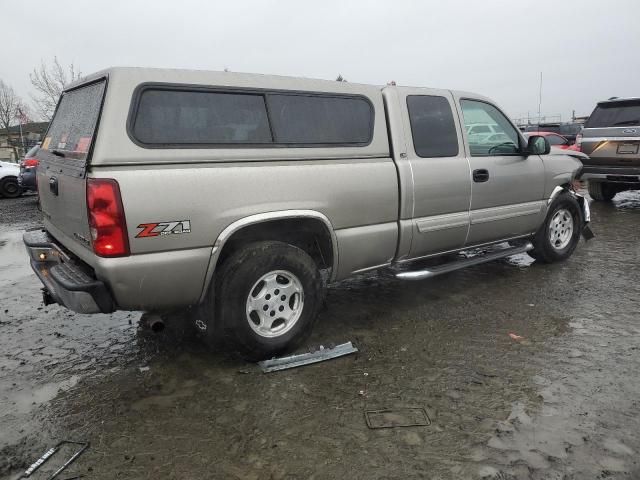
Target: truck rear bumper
[[610, 174], [66, 281]]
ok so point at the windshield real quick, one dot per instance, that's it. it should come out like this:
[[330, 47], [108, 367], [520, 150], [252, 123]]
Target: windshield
[[73, 125], [615, 114]]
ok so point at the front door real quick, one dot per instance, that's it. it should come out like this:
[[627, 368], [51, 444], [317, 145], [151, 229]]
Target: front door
[[507, 187]]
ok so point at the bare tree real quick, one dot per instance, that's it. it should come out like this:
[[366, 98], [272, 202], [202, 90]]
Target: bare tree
[[11, 107], [49, 81]]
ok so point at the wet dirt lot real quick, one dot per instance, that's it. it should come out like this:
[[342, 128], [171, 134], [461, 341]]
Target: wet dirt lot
[[562, 402]]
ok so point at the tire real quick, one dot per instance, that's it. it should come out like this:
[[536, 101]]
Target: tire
[[9, 187], [602, 191], [558, 237], [268, 295]]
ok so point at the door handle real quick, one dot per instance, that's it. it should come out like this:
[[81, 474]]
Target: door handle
[[53, 185], [481, 175]]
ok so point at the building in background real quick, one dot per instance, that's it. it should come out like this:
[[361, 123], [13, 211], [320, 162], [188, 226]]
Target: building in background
[[14, 142]]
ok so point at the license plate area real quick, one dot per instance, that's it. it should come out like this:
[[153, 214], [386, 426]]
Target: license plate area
[[627, 148]]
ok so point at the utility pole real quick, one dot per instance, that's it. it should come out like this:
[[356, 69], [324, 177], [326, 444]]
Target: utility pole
[[540, 100]]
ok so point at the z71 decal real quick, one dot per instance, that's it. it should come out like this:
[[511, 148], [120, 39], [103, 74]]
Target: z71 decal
[[164, 228]]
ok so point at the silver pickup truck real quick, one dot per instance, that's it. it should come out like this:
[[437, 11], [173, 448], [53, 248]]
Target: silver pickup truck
[[237, 197]]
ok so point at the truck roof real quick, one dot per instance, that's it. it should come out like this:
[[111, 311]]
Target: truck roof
[[212, 77]]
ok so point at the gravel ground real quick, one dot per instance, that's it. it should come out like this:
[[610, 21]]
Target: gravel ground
[[558, 399]]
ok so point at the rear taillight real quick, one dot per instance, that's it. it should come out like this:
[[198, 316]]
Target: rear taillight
[[578, 143], [30, 162], [106, 218]]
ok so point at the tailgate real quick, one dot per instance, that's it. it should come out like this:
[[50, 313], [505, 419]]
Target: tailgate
[[64, 156]]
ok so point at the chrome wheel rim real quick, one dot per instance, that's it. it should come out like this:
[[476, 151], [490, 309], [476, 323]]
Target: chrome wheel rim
[[561, 229], [275, 303]]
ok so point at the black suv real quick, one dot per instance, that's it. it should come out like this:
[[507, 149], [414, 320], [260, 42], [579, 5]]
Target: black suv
[[611, 138]]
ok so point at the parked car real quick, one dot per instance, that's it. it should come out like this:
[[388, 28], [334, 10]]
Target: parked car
[[567, 130], [480, 131], [233, 196], [611, 139], [9, 187], [555, 140], [28, 167]]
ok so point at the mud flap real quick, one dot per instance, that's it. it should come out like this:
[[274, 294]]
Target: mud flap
[[587, 233]]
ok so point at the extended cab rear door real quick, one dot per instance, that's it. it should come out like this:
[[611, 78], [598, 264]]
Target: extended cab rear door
[[433, 169], [64, 155]]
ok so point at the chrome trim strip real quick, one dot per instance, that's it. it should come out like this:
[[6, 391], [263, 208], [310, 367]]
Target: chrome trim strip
[[511, 211], [442, 222], [609, 139], [260, 218]]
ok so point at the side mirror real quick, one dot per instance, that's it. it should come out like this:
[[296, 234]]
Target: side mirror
[[538, 145]]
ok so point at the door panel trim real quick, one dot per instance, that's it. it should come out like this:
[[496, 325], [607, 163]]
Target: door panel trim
[[442, 222], [493, 214]]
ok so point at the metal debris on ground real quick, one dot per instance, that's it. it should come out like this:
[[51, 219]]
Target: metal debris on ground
[[320, 355], [49, 453], [393, 418], [515, 337]]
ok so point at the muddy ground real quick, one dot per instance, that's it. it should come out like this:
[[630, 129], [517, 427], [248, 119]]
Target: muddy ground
[[562, 402]]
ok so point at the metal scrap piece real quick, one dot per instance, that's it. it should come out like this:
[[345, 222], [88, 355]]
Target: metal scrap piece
[[292, 361], [401, 417], [49, 453]]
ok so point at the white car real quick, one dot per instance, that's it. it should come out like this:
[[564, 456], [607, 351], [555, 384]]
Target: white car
[[9, 180], [479, 131]]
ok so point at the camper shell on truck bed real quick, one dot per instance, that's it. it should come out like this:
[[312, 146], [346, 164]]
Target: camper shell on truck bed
[[228, 194]]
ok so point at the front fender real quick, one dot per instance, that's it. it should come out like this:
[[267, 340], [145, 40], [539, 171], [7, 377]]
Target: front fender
[[560, 170]]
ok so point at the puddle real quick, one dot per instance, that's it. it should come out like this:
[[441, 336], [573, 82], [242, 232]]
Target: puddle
[[13, 257], [25, 400]]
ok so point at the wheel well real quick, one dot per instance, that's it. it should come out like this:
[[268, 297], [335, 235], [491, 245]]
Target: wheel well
[[308, 234]]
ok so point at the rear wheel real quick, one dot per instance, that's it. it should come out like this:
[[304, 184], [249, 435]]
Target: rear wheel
[[602, 191], [9, 187], [268, 296], [559, 235]]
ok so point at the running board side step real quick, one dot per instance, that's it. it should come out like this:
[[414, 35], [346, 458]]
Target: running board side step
[[464, 263]]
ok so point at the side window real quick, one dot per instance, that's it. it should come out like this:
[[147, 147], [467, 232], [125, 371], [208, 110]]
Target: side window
[[319, 119], [505, 140], [179, 117], [432, 126]]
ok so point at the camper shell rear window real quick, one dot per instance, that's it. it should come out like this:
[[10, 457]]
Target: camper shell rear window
[[72, 129], [172, 116]]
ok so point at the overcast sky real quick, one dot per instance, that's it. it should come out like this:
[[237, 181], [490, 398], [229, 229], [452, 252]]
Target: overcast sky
[[588, 50]]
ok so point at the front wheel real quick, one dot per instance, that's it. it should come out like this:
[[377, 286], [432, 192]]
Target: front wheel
[[9, 187], [268, 296], [558, 237]]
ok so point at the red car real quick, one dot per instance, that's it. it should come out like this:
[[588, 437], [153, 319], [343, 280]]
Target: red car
[[555, 140]]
